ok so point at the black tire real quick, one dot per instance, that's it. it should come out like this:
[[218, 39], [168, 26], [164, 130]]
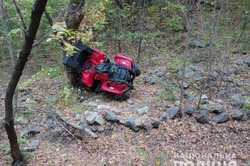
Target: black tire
[[73, 76], [124, 97], [137, 71]]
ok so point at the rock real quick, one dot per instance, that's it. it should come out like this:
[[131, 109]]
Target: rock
[[34, 144], [247, 62], [132, 123], [246, 113], [137, 123], [219, 101], [237, 101], [83, 124], [122, 120], [81, 99], [221, 118], [188, 109], [30, 132], [150, 80], [216, 108], [146, 126], [99, 120], [144, 123], [237, 115], [143, 110], [90, 117], [186, 85], [159, 73], [204, 107], [130, 101], [100, 129], [156, 124], [202, 117], [187, 72], [204, 99], [196, 43], [177, 103], [110, 116], [171, 113], [163, 116]]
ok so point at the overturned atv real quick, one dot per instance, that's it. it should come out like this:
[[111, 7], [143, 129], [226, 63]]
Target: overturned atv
[[90, 68]]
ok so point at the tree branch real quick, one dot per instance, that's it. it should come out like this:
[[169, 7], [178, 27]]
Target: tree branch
[[37, 42], [49, 18], [20, 16]]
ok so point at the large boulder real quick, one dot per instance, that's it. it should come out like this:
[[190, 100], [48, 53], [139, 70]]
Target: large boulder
[[99, 120], [170, 113], [90, 117], [237, 115], [221, 118], [137, 123], [133, 123], [202, 117], [215, 107], [94, 118], [111, 116]]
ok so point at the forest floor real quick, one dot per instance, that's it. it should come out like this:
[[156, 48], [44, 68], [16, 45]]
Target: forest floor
[[181, 139]]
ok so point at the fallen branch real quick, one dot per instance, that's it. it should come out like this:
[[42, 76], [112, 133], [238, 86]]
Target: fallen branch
[[74, 131]]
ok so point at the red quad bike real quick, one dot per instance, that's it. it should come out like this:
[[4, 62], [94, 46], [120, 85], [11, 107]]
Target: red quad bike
[[90, 68]]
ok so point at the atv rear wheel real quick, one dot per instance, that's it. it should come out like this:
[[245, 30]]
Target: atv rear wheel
[[73, 76], [123, 97], [120, 98]]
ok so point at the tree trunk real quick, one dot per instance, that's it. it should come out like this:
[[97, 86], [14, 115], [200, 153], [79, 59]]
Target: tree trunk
[[75, 14], [119, 3], [37, 11]]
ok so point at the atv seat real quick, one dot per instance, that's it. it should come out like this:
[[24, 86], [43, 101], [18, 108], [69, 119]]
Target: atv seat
[[119, 74], [103, 67]]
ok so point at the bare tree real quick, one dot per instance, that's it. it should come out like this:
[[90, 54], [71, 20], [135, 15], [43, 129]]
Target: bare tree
[[36, 14]]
